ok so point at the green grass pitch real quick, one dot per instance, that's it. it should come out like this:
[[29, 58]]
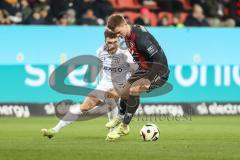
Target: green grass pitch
[[202, 138]]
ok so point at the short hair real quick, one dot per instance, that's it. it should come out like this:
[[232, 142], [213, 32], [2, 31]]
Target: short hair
[[109, 34], [115, 20]]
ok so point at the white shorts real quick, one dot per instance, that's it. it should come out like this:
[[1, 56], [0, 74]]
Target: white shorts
[[103, 108], [101, 89]]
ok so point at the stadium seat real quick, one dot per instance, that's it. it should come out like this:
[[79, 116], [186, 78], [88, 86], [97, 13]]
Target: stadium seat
[[183, 17], [226, 11], [114, 3], [152, 7], [131, 4], [153, 19], [134, 15], [11, 1], [186, 4], [149, 6], [169, 16], [131, 15]]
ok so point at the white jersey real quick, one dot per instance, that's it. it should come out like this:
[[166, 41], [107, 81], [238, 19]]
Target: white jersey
[[116, 68]]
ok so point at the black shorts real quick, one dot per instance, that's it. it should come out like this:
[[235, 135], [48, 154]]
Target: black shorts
[[157, 81]]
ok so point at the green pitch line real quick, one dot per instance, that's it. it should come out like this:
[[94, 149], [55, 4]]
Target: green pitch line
[[202, 138]]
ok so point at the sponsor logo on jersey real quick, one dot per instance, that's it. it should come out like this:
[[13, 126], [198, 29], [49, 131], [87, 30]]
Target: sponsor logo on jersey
[[116, 60], [152, 50], [112, 69]]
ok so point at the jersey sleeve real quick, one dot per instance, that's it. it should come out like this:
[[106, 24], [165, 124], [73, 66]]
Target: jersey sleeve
[[148, 46]]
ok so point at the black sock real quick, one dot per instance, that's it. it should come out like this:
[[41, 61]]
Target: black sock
[[123, 107], [132, 106]]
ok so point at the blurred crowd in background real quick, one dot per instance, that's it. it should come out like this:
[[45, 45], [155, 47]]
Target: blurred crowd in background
[[178, 13]]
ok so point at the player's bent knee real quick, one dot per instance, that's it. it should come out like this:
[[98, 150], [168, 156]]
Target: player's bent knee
[[88, 104], [145, 87], [141, 82], [134, 91], [137, 90]]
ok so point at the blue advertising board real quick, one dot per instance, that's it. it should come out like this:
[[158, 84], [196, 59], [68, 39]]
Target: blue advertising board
[[204, 62]]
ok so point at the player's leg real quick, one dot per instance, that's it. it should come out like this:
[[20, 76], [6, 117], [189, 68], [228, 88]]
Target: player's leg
[[68, 118], [138, 87], [136, 84], [113, 118], [133, 100], [75, 111], [122, 107], [131, 105], [130, 99], [114, 115], [123, 128]]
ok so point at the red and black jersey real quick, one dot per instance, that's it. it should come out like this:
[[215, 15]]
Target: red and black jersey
[[145, 49]]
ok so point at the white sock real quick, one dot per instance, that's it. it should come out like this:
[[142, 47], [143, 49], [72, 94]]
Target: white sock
[[70, 117], [61, 124], [113, 114], [120, 116]]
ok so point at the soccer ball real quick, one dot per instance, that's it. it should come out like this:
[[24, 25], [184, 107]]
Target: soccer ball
[[149, 132]]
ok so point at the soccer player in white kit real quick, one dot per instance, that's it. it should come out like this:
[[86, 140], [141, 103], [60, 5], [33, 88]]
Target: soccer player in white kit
[[116, 66]]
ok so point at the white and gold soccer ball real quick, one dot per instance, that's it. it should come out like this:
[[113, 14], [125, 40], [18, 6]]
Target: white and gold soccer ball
[[149, 132]]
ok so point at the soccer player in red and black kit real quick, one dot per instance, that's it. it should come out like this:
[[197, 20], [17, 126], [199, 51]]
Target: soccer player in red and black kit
[[152, 73]]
